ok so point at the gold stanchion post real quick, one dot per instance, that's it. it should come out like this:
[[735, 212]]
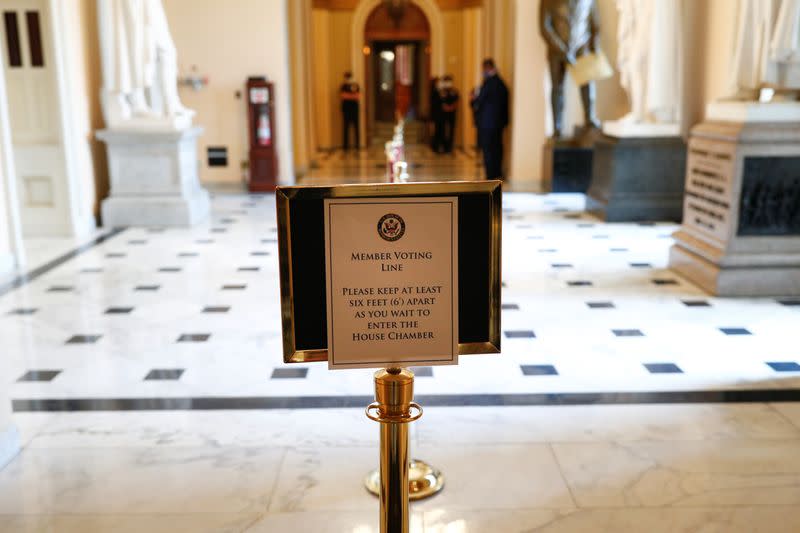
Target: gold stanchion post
[[394, 409]]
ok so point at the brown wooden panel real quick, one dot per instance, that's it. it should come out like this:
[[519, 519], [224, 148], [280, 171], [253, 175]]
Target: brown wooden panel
[[12, 38], [34, 38]]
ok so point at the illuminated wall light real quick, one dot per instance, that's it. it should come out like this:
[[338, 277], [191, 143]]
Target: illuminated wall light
[[367, 50]]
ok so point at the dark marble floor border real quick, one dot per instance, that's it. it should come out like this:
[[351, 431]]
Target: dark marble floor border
[[24, 279], [24, 405]]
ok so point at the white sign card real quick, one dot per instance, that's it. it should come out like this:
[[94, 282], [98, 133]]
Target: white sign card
[[392, 281]]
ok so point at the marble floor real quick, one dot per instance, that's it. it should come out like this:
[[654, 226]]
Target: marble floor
[[147, 381]]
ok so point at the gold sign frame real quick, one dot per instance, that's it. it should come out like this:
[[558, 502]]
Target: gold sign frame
[[284, 195]]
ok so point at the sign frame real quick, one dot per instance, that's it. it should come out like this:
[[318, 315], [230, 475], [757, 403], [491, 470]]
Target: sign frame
[[286, 196]]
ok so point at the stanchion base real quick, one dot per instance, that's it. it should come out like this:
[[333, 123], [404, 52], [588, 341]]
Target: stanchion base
[[423, 481]]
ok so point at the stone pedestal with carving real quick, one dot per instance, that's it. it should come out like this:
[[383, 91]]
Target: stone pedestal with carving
[[567, 165], [741, 224], [637, 178], [153, 178]]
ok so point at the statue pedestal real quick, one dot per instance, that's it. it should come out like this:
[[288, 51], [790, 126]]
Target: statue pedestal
[[638, 178], [153, 178], [567, 165], [741, 225]]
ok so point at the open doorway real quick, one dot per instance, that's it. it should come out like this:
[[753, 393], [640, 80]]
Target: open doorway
[[397, 71]]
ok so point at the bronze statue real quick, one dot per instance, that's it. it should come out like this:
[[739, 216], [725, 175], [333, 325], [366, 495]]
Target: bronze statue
[[570, 29]]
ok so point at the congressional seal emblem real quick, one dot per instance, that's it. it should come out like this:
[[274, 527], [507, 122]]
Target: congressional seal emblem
[[391, 227]]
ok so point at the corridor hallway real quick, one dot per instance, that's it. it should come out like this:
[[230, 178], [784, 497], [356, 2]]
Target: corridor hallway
[[369, 166]]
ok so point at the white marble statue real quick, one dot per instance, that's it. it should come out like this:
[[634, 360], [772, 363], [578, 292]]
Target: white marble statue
[[139, 67], [649, 60], [766, 47]]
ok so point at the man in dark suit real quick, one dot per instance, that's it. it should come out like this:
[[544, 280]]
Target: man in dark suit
[[490, 105], [449, 107], [349, 94]]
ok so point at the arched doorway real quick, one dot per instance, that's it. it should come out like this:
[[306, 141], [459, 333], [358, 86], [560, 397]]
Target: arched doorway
[[397, 66]]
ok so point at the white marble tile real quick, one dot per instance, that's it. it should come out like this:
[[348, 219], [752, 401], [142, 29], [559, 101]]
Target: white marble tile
[[689, 473], [503, 476], [365, 521], [449, 425], [219, 429], [476, 477], [790, 411], [325, 479], [139, 480], [746, 519], [128, 523]]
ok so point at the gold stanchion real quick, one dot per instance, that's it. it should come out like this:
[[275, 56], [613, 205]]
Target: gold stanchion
[[394, 392]]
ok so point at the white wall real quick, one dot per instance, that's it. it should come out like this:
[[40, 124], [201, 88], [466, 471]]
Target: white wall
[[229, 40]]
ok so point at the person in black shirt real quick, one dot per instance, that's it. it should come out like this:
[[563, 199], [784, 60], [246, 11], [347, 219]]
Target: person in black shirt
[[349, 94], [437, 140], [490, 106], [449, 96]]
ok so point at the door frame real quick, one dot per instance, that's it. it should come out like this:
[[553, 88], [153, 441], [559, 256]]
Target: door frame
[[60, 26]]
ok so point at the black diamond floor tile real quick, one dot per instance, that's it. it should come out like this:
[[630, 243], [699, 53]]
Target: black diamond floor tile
[[289, 373], [23, 311], [579, 283], [784, 366], [663, 368], [119, 310], [539, 370], [520, 334], [39, 375], [216, 309], [696, 303], [249, 269], [627, 332], [84, 339], [147, 287], [169, 269], [60, 288], [234, 287], [194, 337], [510, 307], [735, 331], [164, 374], [665, 281], [600, 305], [641, 265]]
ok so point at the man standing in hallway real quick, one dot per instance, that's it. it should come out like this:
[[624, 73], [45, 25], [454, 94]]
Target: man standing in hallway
[[349, 94], [449, 107], [490, 105]]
